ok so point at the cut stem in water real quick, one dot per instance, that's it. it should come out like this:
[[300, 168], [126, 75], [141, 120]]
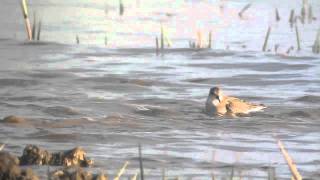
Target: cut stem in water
[[298, 38], [265, 44]]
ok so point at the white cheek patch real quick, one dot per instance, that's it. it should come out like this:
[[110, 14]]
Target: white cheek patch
[[215, 102]]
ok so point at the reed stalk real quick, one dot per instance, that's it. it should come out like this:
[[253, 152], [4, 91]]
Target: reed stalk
[[210, 39], [276, 47], [34, 25], [121, 8], [157, 45], [192, 44], [292, 166], [39, 30], [316, 45], [106, 40], [26, 19], [292, 18], [303, 14], [271, 173], [265, 44], [298, 38], [77, 39], [140, 163], [121, 171], [277, 15], [199, 43], [165, 36], [161, 38], [310, 14], [232, 173], [243, 10]]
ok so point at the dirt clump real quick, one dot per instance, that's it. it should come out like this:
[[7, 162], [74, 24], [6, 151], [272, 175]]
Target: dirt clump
[[13, 119]]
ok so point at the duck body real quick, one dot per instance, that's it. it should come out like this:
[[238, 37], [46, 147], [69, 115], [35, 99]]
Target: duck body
[[218, 104]]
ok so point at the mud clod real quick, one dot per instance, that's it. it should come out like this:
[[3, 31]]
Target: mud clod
[[14, 119]]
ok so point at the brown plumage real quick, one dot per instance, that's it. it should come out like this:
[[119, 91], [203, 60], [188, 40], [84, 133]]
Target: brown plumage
[[218, 104]]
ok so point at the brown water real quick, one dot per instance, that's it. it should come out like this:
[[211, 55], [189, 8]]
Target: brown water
[[108, 100]]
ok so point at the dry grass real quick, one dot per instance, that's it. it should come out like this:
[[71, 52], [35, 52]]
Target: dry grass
[[121, 171], [26, 19], [292, 166], [2, 146]]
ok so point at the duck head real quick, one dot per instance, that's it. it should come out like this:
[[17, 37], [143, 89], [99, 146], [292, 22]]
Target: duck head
[[216, 94]]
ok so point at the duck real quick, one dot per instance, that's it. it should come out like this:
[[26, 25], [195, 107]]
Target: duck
[[219, 104]]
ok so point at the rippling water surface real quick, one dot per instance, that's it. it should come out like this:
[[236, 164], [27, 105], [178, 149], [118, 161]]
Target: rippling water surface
[[110, 99]]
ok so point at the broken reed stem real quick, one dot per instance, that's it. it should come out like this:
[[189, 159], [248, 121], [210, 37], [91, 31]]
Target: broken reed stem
[[310, 14], [292, 18], [277, 15], [26, 19], [289, 49], [121, 8], [2, 146], [303, 14], [298, 38], [232, 173], [39, 30], [316, 45], [265, 44], [161, 38], [157, 45], [34, 26], [210, 38], [293, 168], [140, 163], [121, 171], [199, 44], [77, 39], [245, 8], [276, 47]]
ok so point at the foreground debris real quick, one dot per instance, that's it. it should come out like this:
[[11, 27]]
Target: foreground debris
[[10, 169], [34, 155], [75, 173]]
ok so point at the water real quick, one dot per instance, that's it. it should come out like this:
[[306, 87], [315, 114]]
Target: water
[[110, 99]]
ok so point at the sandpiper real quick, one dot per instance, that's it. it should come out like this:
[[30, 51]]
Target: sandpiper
[[219, 105]]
